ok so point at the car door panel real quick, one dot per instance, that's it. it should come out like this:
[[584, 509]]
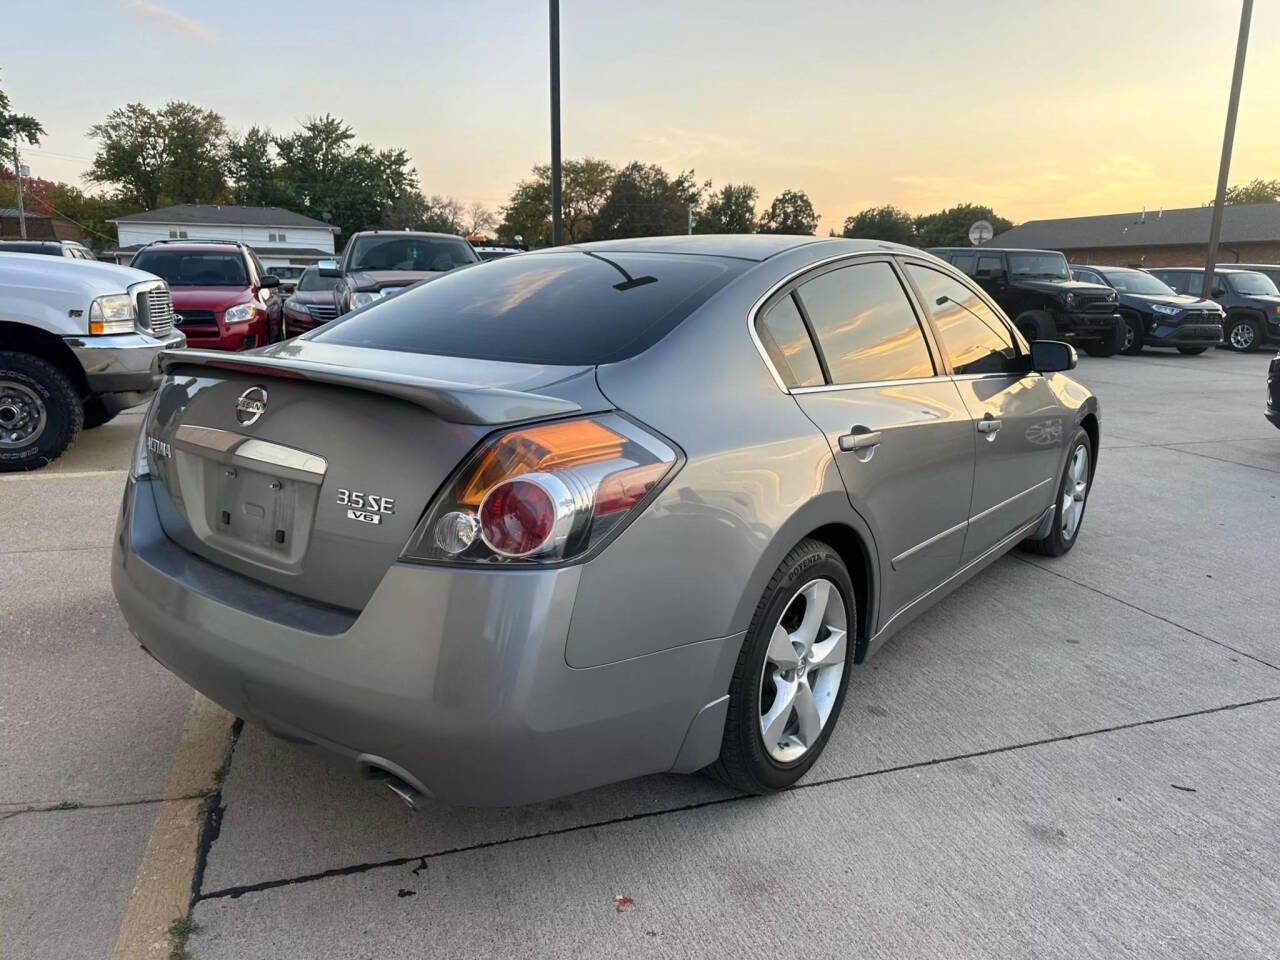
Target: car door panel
[[1016, 463]]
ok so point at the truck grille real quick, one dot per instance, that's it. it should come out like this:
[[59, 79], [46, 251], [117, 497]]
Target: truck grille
[[155, 310], [1095, 303]]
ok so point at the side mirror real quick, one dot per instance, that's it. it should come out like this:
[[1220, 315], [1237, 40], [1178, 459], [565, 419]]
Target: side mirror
[[270, 280], [1052, 356], [328, 268]]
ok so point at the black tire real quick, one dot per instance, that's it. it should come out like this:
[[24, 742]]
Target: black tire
[[744, 763], [97, 412], [1192, 351], [1108, 345], [1131, 335], [45, 390], [1241, 334], [1036, 325], [1057, 543]]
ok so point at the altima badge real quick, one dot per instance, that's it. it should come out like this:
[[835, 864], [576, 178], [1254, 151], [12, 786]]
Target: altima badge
[[251, 405]]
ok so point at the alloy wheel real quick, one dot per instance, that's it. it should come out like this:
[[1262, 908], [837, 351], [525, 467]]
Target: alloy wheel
[[1241, 336], [1074, 492], [1128, 336], [802, 670], [22, 414]]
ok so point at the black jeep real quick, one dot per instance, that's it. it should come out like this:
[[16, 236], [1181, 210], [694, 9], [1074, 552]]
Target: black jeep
[[1035, 288]]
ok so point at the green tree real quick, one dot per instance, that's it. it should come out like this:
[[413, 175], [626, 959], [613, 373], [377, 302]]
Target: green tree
[[881, 223], [177, 154], [17, 126], [443, 215], [584, 185], [731, 209], [950, 227], [644, 201], [322, 170], [791, 212], [1255, 191], [252, 170]]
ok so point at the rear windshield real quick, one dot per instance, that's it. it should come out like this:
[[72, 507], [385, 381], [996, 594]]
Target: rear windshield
[[555, 308], [409, 252], [192, 269]]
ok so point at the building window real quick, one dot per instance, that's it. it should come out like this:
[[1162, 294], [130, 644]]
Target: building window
[[177, 234], [277, 238]]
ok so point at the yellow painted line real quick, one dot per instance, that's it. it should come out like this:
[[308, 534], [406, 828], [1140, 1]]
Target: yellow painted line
[[162, 888], [55, 474]]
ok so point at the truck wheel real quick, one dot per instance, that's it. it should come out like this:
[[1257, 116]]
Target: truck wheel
[[1132, 343], [40, 412], [1107, 345], [1036, 325], [1241, 334], [97, 412]]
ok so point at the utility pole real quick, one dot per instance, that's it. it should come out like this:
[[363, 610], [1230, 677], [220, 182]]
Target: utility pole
[[17, 183], [557, 221], [690, 206], [1224, 168]]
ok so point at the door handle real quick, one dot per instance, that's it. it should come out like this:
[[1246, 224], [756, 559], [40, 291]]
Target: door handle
[[860, 438], [989, 426]]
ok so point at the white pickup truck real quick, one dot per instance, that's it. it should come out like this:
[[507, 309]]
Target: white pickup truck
[[77, 340]]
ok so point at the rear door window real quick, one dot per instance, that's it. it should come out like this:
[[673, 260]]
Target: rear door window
[[786, 340], [989, 266], [865, 325], [568, 307], [976, 340], [965, 263]]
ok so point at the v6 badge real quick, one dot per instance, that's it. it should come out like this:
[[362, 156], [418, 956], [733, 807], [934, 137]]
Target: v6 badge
[[364, 516]]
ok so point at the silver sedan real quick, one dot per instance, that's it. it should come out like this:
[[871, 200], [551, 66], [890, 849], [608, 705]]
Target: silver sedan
[[594, 512]]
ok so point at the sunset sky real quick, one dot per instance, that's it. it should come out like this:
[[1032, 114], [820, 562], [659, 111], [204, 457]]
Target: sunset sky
[[1038, 109]]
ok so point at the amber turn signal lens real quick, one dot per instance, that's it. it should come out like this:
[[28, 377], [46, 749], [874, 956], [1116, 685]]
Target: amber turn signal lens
[[549, 447]]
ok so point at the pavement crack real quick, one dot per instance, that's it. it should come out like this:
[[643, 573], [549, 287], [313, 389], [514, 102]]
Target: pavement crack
[[213, 811], [1156, 616], [235, 892], [66, 806]]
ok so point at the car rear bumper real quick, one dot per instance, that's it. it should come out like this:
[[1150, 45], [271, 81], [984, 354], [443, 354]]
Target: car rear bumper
[[122, 363], [453, 679]]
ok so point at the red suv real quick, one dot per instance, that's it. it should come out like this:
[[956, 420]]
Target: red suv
[[225, 298]]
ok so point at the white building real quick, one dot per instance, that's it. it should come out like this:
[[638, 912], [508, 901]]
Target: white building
[[279, 237]]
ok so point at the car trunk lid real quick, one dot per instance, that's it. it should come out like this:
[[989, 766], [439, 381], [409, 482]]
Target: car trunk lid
[[307, 466]]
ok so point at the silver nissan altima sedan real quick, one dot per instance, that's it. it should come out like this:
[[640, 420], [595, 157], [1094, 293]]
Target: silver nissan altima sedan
[[594, 512]]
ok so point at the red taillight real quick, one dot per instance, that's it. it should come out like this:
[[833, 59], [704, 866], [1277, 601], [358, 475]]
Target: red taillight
[[516, 518], [545, 493]]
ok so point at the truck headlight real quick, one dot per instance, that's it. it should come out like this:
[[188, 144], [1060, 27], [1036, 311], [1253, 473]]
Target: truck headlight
[[1166, 309], [1071, 300], [240, 313], [114, 313]]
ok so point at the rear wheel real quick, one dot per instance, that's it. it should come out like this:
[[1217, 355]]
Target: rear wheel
[[1192, 351], [1073, 492], [1241, 334], [1035, 325], [792, 673], [40, 412], [1131, 344]]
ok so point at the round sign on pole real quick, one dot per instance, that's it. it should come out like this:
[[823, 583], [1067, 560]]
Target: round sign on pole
[[980, 233]]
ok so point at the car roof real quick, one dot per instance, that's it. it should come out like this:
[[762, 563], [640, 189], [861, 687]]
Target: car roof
[[181, 245], [406, 233], [988, 250], [745, 246]]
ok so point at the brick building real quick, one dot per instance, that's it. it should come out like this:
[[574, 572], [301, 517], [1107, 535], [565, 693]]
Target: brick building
[[40, 226], [1163, 238]]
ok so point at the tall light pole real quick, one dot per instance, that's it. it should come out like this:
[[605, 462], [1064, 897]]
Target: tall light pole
[[17, 183], [557, 222], [1228, 138]]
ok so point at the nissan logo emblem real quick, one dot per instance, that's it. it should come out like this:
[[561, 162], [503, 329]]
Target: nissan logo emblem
[[251, 405]]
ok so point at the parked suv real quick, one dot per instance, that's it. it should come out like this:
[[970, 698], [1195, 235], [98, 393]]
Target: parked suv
[[1154, 314], [77, 341], [1250, 299], [49, 248], [1035, 288], [378, 263], [1272, 411], [224, 297]]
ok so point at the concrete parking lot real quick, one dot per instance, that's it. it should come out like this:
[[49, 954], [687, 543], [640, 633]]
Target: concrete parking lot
[[1066, 758]]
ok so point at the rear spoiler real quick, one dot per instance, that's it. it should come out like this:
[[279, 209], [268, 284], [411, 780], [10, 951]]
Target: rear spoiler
[[454, 402]]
